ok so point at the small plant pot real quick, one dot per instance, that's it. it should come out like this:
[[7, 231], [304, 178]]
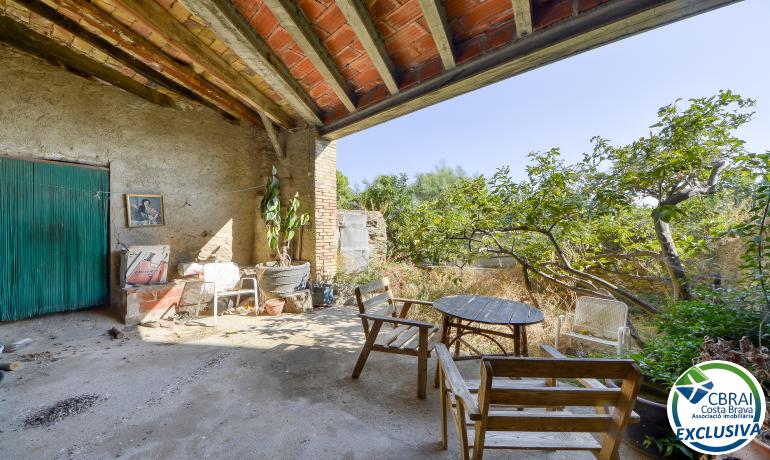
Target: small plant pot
[[323, 294], [274, 307]]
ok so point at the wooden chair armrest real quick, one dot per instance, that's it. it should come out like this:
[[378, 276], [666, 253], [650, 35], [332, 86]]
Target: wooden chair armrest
[[413, 301], [407, 304], [388, 319], [456, 382]]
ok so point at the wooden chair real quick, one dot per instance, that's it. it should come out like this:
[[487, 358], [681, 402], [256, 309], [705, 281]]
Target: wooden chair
[[598, 321], [500, 413], [407, 337]]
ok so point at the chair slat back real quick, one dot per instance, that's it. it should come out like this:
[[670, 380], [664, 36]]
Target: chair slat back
[[549, 397], [600, 317], [373, 296]]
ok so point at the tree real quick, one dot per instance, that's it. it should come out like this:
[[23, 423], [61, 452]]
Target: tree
[[346, 198], [539, 221], [393, 196], [428, 186], [686, 155]]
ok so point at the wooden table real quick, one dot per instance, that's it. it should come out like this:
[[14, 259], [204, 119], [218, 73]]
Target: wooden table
[[459, 311]]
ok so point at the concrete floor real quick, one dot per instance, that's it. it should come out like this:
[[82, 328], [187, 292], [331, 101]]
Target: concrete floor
[[254, 387]]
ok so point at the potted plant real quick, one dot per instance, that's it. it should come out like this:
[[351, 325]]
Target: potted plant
[[323, 293], [281, 276]]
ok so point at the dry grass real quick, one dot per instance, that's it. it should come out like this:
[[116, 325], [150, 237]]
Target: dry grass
[[410, 281]]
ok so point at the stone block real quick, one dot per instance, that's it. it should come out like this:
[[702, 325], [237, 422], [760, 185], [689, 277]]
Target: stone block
[[299, 302]]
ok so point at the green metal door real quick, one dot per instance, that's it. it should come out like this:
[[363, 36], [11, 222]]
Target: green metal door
[[53, 238]]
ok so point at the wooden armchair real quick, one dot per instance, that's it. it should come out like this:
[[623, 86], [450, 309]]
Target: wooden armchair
[[499, 413], [407, 337]]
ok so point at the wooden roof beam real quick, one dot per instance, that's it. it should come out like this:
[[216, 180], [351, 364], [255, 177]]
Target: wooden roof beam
[[296, 24], [162, 23], [607, 23], [147, 54], [363, 26], [435, 15], [235, 31], [522, 16], [19, 36]]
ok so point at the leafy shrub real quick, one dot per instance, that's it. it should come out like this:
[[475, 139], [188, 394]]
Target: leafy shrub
[[681, 331]]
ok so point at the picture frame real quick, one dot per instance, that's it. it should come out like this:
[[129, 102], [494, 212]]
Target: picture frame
[[145, 210]]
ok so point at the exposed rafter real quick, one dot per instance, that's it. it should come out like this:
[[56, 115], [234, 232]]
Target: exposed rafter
[[293, 20], [435, 15], [359, 20], [186, 84], [522, 16], [25, 39], [235, 31], [155, 17], [609, 22], [274, 137]]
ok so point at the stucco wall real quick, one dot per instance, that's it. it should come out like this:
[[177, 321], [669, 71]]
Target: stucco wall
[[194, 157]]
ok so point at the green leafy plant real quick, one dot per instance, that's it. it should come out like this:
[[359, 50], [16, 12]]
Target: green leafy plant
[[681, 329], [670, 447], [281, 230]]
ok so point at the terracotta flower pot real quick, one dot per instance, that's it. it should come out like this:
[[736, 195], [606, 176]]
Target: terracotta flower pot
[[274, 307]]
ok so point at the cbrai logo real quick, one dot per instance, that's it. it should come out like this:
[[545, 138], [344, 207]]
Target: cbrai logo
[[716, 407]]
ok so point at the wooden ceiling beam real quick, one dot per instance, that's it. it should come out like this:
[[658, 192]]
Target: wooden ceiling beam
[[236, 32], [522, 16], [162, 23], [435, 15], [363, 26], [130, 44], [23, 38], [291, 18], [604, 24]]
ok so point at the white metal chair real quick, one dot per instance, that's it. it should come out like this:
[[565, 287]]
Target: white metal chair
[[225, 279], [599, 321]]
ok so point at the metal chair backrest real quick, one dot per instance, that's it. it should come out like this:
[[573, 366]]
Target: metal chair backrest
[[600, 317], [373, 296], [224, 275]]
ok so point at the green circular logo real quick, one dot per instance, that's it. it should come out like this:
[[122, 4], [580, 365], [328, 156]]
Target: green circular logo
[[716, 407]]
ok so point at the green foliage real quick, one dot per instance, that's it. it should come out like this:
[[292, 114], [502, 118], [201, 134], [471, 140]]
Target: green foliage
[[430, 185], [346, 198], [670, 447], [289, 223], [680, 332], [394, 198]]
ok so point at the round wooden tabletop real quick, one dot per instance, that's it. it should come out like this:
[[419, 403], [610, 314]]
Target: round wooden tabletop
[[489, 310]]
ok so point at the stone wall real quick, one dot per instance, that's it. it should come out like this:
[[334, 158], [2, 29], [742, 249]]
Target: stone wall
[[361, 247], [207, 168]]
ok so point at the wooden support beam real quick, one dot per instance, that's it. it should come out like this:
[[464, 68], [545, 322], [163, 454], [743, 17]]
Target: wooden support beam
[[293, 20], [522, 16], [435, 15], [162, 23], [363, 26], [58, 18], [19, 36], [610, 22], [126, 39], [274, 137], [236, 32]]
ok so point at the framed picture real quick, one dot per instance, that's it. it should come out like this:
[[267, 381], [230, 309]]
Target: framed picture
[[145, 210]]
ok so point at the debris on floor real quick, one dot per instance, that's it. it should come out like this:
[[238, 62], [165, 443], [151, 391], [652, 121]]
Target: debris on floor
[[39, 357], [115, 333], [64, 408], [14, 366], [18, 345]]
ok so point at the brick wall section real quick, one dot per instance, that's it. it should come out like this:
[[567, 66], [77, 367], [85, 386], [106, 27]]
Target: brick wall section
[[325, 210], [310, 169]]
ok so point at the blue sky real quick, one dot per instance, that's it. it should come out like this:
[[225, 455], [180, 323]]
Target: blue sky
[[613, 91]]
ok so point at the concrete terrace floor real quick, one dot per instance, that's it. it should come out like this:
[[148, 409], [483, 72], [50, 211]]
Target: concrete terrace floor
[[254, 387]]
